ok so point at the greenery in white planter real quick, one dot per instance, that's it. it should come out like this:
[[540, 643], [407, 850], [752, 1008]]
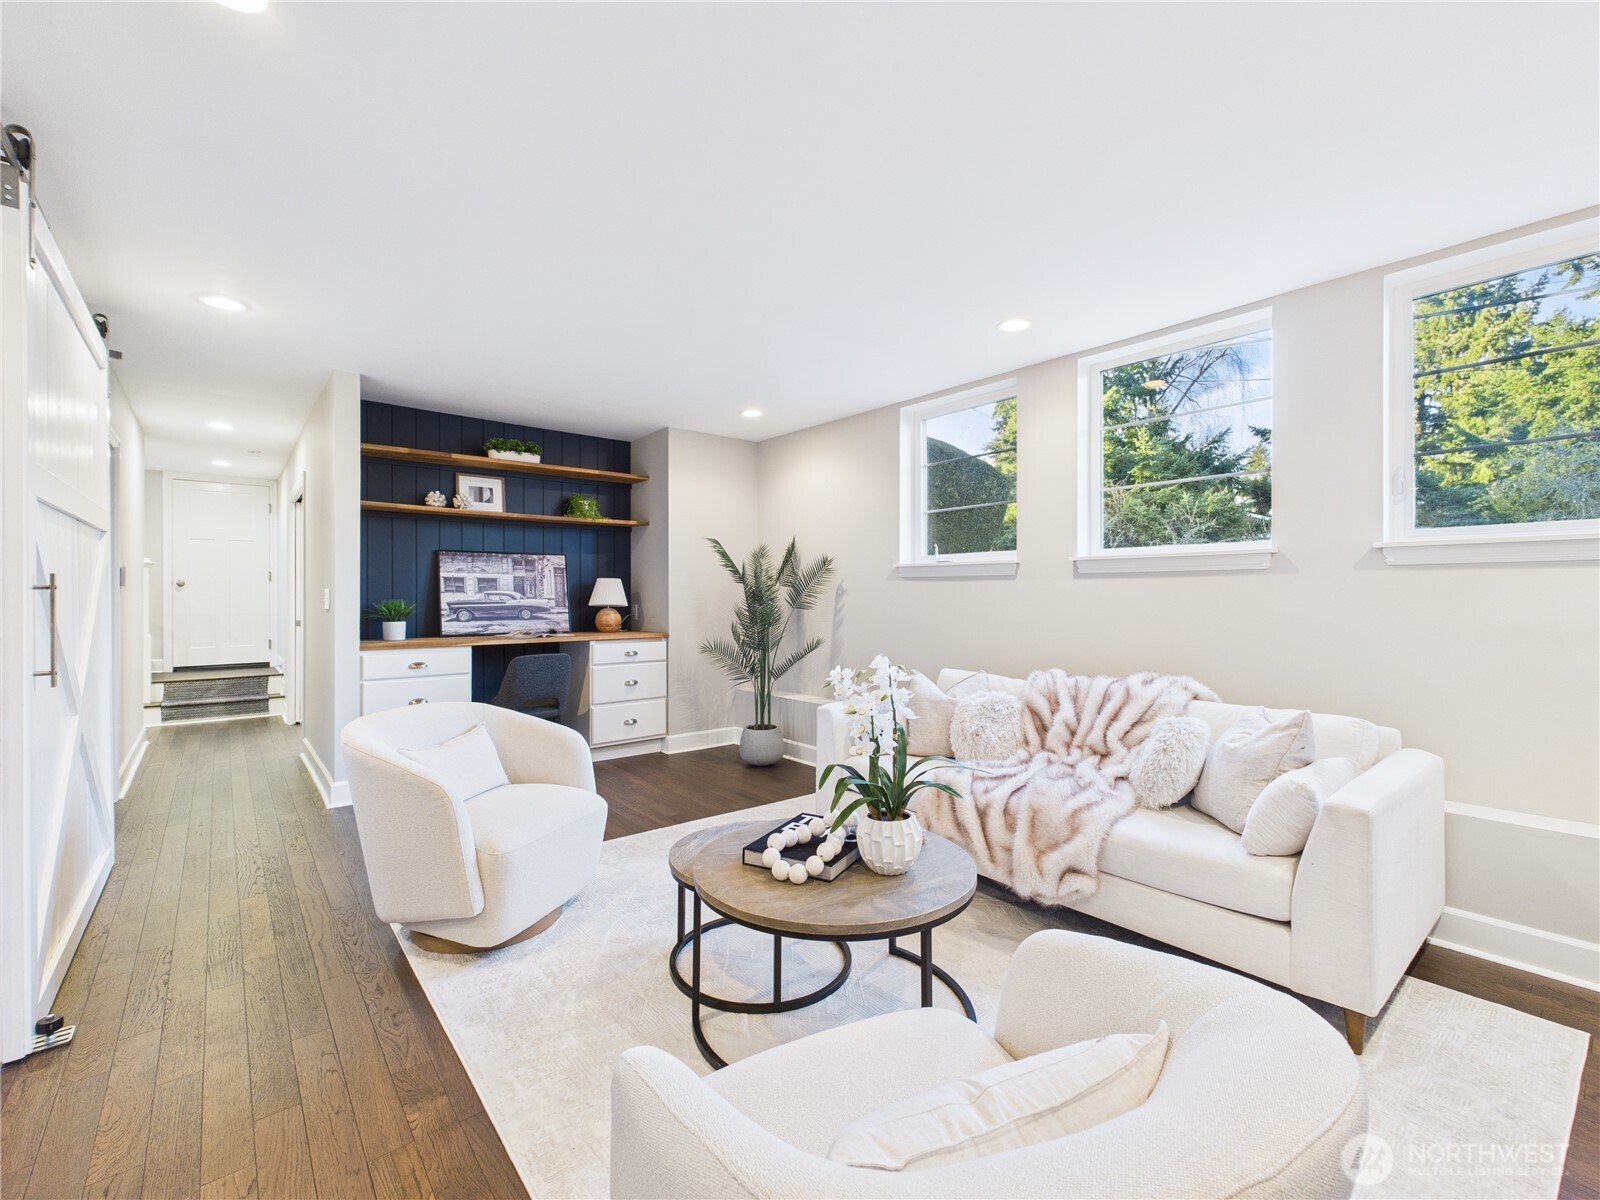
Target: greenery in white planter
[[512, 446], [391, 610], [771, 597]]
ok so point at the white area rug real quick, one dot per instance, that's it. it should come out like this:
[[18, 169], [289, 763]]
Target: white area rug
[[1468, 1098]]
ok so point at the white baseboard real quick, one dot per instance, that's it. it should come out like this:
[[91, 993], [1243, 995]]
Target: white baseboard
[[800, 752], [627, 750], [334, 793], [1549, 954], [705, 739], [130, 766]]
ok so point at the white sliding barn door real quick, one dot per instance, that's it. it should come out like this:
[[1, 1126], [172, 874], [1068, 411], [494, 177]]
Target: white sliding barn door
[[57, 768]]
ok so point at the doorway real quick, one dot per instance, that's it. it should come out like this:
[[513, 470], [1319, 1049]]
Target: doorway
[[219, 573]]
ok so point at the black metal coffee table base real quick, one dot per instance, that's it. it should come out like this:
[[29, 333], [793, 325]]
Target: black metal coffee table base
[[690, 939]]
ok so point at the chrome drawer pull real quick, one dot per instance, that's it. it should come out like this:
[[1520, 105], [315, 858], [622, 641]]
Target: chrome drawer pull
[[630, 683], [630, 654], [418, 700], [417, 667], [631, 721]]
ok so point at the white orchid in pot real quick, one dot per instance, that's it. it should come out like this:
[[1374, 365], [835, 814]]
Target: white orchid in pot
[[877, 706]]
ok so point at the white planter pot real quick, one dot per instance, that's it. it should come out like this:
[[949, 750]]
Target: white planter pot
[[516, 455], [394, 631], [890, 847], [761, 747]]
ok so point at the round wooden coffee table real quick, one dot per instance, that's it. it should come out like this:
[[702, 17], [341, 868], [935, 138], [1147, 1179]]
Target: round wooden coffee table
[[858, 906]]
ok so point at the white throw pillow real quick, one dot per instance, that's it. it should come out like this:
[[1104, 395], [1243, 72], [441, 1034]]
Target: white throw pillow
[[1167, 764], [986, 727], [1250, 754], [958, 683], [929, 731], [1280, 820], [468, 763], [1023, 1103]]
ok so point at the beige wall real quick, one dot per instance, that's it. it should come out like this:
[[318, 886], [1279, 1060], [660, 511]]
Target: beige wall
[[327, 458], [701, 486], [129, 587], [1492, 667]]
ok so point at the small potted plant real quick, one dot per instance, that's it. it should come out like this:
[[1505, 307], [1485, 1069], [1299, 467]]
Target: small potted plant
[[585, 508], [877, 706], [771, 596], [513, 448], [393, 614]]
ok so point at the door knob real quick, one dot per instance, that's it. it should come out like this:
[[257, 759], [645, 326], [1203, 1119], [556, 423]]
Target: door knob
[[180, 582]]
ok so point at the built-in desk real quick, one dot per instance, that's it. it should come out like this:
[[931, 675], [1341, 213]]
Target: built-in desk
[[622, 679]]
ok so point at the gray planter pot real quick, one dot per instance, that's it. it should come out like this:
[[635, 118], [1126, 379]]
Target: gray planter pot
[[761, 747]]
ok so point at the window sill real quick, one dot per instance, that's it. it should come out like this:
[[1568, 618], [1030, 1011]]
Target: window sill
[[1175, 560], [961, 568], [1506, 548]]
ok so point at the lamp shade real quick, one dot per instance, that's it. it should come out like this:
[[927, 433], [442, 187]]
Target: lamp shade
[[607, 593]]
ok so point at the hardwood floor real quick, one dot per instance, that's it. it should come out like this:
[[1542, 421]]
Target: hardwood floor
[[249, 1028]]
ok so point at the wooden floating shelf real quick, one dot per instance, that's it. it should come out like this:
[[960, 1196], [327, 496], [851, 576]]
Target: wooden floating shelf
[[483, 463], [423, 510]]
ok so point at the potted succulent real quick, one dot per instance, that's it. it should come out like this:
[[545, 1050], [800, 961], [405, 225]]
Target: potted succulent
[[585, 508], [393, 614], [513, 448], [771, 596], [877, 706]]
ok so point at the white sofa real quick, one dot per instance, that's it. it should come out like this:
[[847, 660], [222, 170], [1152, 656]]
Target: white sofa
[[1257, 1097], [482, 872], [1339, 922]]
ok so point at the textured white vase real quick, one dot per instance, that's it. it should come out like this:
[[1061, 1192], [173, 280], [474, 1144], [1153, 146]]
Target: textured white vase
[[890, 847], [514, 455], [394, 631]]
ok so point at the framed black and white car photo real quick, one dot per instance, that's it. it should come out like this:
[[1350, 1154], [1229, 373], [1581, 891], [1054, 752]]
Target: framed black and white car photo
[[485, 493], [489, 593]]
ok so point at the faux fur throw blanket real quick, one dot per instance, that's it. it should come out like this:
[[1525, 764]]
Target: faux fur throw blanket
[[1036, 822]]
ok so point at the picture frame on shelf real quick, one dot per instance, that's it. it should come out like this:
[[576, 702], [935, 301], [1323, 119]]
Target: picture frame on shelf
[[483, 493]]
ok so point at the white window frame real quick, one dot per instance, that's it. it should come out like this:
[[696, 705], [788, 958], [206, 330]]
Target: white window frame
[[915, 562], [1403, 543], [1092, 557]]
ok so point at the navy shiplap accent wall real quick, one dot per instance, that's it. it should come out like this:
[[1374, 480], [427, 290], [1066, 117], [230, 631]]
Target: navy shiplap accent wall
[[399, 552]]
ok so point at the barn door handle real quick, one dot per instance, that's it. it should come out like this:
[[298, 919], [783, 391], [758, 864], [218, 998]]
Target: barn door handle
[[51, 588]]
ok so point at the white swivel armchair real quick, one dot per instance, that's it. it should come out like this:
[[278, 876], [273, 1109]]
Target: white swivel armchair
[[488, 870], [1258, 1096]]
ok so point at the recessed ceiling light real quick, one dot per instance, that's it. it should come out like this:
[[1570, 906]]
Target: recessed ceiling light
[[219, 426], [220, 462], [1014, 324], [750, 412], [224, 303], [244, 6]]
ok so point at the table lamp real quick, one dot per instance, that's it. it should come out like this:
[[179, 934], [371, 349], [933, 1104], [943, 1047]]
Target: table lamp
[[607, 592]]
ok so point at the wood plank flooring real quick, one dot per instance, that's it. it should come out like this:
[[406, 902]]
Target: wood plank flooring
[[249, 1028]]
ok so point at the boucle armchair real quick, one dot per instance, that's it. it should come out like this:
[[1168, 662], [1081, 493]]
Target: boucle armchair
[[1258, 1095], [479, 872]]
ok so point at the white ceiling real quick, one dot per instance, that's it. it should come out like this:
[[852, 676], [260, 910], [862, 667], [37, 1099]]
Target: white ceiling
[[612, 218]]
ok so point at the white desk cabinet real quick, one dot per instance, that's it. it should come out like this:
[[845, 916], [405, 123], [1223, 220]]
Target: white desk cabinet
[[393, 678], [622, 693]]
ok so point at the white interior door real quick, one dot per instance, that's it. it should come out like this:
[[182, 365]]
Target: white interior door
[[59, 761], [221, 556]]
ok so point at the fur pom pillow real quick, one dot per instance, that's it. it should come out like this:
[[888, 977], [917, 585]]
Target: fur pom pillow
[[929, 731], [1167, 764], [986, 727], [1280, 820]]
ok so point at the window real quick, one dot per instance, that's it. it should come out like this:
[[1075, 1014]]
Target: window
[[1494, 398], [959, 476], [1178, 444]]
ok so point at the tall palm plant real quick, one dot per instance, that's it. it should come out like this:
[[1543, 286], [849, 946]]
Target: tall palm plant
[[771, 597]]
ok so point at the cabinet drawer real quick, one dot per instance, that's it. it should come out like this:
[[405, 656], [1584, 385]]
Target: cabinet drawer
[[652, 650], [630, 681], [413, 664], [628, 721], [379, 694]]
